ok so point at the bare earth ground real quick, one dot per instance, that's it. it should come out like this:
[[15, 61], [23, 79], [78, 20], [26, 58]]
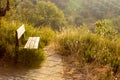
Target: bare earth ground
[[52, 69], [72, 70], [75, 71], [57, 67]]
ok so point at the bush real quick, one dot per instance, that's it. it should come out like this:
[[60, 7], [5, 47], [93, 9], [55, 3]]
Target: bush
[[41, 14], [46, 35], [7, 43], [30, 58], [7, 40], [89, 47], [104, 29]]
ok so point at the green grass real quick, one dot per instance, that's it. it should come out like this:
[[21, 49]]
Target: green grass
[[46, 35], [89, 47], [84, 45], [25, 57], [29, 57]]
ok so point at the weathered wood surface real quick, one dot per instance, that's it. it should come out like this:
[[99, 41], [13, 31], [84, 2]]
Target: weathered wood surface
[[20, 31], [32, 43]]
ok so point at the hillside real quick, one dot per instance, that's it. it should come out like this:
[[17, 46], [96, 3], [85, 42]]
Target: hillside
[[82, 11], [84, 34]]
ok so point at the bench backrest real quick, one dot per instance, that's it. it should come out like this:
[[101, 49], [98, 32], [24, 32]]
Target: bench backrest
[[20, 31]]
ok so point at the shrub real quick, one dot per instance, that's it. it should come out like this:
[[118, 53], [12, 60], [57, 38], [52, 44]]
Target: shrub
[[46, 35], [7, 40], [41, 13], [7, 43], [115, 64], [67, 40], [89, 47], [104, 29], [30, 58]]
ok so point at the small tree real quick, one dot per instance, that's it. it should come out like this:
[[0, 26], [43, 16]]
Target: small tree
[[48, 14], [43, 13], [104, 29]]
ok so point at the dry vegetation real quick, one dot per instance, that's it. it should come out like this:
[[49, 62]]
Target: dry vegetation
[[95, 54], [87, 54]]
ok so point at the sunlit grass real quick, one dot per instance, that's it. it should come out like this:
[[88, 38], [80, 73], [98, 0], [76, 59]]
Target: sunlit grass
[[89, 47], [25, 57]]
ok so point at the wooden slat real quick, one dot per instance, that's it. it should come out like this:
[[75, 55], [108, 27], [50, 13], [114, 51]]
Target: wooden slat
[[20, 31], [37, 42], [32, 43], [28, 42]]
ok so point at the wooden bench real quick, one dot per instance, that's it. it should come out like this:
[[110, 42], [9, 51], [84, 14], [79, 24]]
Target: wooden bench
[[32, 42]]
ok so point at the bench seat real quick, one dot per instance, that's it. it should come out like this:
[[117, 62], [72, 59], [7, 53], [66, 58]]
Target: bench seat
[[32, 43]]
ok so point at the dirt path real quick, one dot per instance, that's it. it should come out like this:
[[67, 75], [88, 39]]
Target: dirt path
[[52, 69]]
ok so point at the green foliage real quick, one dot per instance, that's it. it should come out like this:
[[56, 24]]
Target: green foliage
[[72, 10], [69, 39], [46, 35], [41, 13], [115, 64], [49, 14], [7, 40], [25, 57], [89, 47], [30, 58], [88, 11], [102, 47], [104, 29], [7, 44]]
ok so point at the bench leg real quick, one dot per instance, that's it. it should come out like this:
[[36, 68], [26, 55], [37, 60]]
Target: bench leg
[[16, 54]]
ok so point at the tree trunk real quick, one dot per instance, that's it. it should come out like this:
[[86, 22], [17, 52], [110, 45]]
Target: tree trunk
[[3, 10]]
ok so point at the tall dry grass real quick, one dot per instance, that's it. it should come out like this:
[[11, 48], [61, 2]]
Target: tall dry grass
[[88, 47]]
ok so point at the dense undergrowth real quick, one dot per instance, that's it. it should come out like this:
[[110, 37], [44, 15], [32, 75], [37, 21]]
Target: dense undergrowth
[[23, 56], [91, 47], [101, 47]]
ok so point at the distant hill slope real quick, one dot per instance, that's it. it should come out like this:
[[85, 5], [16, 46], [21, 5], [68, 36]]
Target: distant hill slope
[[80, 11]]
